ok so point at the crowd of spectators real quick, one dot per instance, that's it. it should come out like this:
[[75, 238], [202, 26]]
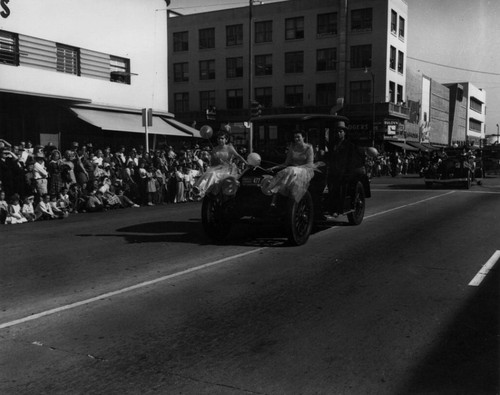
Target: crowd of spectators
[[40, 182]]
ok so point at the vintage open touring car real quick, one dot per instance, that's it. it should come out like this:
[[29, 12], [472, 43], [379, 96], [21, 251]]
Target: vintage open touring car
[[453, 166], [245, 196]]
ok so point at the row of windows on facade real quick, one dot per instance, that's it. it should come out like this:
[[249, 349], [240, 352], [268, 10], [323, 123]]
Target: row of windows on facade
[[394, 24], [359, 93], [68, 58], [326, 24], [326, 60]]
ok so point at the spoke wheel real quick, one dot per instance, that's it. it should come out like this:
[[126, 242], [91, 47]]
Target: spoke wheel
[[299, 221], [357, 204]]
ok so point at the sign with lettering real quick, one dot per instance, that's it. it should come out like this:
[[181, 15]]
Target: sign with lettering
[[5, 9]]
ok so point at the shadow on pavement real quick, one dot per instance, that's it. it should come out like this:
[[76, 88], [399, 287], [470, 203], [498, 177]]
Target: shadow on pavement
[[466, 358], [254, 234]]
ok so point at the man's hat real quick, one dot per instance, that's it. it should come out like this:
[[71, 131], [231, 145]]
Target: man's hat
[[340, 125]]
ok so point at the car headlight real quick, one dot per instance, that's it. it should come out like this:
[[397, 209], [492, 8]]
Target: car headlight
[[229, 186]]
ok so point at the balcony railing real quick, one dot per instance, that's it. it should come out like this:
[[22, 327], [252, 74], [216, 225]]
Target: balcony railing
[[381, 109]]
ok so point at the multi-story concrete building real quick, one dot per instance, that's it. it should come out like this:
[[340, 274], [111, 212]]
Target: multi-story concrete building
[[443, 114], [467, 113], [300, 55], [74, 70]]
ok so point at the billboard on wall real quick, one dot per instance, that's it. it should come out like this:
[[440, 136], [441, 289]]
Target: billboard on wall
[[425, 111]]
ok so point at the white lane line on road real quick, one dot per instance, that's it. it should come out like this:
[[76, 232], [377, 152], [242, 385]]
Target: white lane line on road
[[479, 277], [181, 273], [127, 289], [410, 204]]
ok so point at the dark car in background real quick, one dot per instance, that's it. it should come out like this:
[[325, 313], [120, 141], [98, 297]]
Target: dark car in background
[[453, 166]]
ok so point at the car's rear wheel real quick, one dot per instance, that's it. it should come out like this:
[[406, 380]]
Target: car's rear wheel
[[215, 223], [299, 219], [358, 205]]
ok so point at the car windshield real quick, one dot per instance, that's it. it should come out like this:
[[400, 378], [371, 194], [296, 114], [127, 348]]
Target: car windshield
[[271, 136]]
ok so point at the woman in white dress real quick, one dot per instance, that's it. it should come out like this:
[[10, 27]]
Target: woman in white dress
[[221, 165], [293, 180]]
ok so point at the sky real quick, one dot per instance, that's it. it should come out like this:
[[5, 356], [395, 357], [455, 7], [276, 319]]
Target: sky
[[448, 41]]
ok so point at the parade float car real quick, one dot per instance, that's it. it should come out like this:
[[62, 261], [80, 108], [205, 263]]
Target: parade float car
[[453, 166], [246, 198]]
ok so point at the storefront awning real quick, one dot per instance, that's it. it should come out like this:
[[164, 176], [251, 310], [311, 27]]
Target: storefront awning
[[126, 122], [403, 146], [185, 128], [422, 146]]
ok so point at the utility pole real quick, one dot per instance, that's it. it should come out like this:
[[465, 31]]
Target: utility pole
[[250, 72]]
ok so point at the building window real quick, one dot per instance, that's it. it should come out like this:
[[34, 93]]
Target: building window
[[234, 35], [361, 20], [401, 27], [474, 125], [263, 64], [234, 67], [294, 96], [264, 32], [326, 59], [181, 42], [9, 48], [326, 94], [264, 96], [68, 59], [207, 99], [400, 62], [234, 99], [294, 62], [361, 56], [181, 72], [394, 22], [400, 94], [119, 70], [392, 92], [327, 24], [392, 59], [476, 105], [294, 28], [360, 92], [181, 102], [207, 70], [206, 38]]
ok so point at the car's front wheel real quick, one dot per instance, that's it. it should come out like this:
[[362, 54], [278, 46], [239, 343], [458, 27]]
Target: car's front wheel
[[357, 214], [215, 223], [299, 219]]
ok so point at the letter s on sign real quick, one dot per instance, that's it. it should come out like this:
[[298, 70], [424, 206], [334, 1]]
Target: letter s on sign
[[6, 11]]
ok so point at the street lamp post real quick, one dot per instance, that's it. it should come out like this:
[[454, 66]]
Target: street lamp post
[[373, 105], [498, 134]]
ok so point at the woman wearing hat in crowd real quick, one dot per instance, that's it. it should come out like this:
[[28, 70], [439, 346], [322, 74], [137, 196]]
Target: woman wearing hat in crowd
[[55, 169], [221, 164], [40, 174]]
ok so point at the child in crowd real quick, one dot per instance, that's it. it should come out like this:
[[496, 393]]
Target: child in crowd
[[43, 210], [3, 208], [63, 200], [77, 202], [95, 202], [14, 214], [58, 210], [28, 210], [125, 200]]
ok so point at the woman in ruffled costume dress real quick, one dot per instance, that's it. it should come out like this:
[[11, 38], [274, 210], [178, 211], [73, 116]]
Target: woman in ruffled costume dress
[[221, 165], [293, 180]]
